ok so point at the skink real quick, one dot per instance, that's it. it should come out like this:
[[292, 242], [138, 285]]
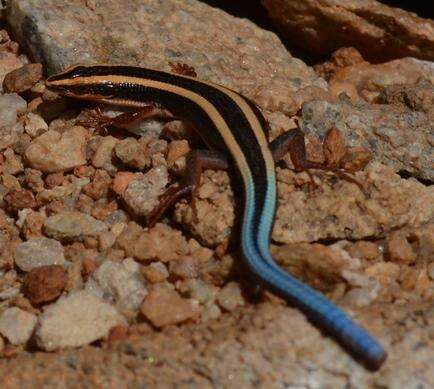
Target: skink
[[232, 125]]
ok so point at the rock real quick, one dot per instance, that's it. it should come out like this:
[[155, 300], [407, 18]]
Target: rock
[[9, 57], [230, 297], [365, 81], [20, 199], [121, 283], [35, 125], [399, 138], [17, 325], [330, 212], [159, 243], [240, 55], [73, 225], [133, 153], [76, 320], [122, 180], [417, 97], [45, 283], [12, 163], [38, 252], [22, 79], [163, 307], [157, 272], [184, 267], [104, 153], [142, 194], [176, 150], [11, 106], [54, 152], [378, 31]]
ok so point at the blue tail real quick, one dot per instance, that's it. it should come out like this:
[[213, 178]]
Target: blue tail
[[315, 306]]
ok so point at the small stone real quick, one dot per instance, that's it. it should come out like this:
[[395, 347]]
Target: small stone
[[184, 267], [76, 320], [104, 152], [17, 325], [155, 272], [45, 283], [121, 283], [399, 250], [142, 195], [54, 152], [22, 79], [117, 334], [163, 307], [73, 225], [38, 252], [106, 240], [99, 186], [122, 180], [199, 290], [35, 125], [230, 297], [11, 106], [12, 163], [20, 199], [159, 243], [176, 149]]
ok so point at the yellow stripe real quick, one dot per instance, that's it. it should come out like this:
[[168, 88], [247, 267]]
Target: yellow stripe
[[209, 108]]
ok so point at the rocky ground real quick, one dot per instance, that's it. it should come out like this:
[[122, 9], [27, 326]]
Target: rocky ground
[[91, 297]]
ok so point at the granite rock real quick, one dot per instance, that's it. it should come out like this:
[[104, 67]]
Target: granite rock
[[229, 51]]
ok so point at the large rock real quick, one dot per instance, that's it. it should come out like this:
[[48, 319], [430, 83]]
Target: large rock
[[221, 48], [378, 31]]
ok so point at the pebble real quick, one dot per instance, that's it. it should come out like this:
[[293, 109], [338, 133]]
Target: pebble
[[161, 242], [11, 106], [44, 283], [73, 225], [142, 195], [76, 320], [230, 297], [121, 283], [17, 325], [155, 272], [22, 79], [20, 199], [12, 163], [164, 306], [35, 125], [39, 251], [54, 152], [104, 153]]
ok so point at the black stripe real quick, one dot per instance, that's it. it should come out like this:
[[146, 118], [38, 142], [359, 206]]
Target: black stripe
[[179, 105]]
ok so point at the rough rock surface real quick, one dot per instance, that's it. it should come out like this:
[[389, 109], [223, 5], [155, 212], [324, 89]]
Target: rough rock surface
[[365, 81], [275, 343], [237, 53], [378, 31], [399, 138]]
